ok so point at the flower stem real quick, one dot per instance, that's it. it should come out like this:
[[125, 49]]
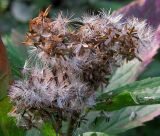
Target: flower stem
[[72, 123]]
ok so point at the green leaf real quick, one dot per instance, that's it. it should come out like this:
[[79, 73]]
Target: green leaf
[[130, 95], [7, 124], [47, 130], [127, 73], [16, 55], [122, 100], [137, 85], [152, 70], [121, 120], [118, 121], [33, 132], [94, 134], [4, 71], [4, 82]]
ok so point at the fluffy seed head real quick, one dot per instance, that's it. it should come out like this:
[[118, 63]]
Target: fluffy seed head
[[67, 64]]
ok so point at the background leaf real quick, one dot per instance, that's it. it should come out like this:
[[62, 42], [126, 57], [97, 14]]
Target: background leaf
[[4, 71], [152, 70], [7, 124], [96, 5], [16, 55], [143, 9], [119, 121]]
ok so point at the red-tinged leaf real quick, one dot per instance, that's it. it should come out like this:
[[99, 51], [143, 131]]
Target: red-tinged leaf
[[3, 58], [4, 71], [144, 9], [149, 53], [157, 35]]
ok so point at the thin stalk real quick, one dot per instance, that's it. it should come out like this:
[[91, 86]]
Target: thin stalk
[[72, 123], [71, 127]]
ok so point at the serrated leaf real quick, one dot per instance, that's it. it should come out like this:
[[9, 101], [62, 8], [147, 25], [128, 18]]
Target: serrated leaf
[[120, 101], [131, 95], [137, 85], [118, 121], [147, 96], [127, 73]]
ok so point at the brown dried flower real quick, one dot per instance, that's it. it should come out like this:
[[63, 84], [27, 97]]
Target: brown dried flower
[[68, 64]]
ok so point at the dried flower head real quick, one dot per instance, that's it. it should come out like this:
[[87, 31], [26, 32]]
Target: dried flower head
[[67, 64]]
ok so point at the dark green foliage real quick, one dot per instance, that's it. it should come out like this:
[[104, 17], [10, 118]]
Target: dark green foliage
[[16, 56], [7, 124]]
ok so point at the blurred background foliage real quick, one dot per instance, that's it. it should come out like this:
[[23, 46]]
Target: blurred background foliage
[[14, 17], [14, 14]]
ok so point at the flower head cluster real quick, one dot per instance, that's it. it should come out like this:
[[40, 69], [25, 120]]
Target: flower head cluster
[[70, 60]]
